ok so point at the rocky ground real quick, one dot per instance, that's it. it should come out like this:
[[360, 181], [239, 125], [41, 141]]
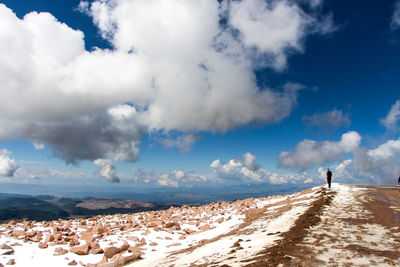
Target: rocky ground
[[343, 226]]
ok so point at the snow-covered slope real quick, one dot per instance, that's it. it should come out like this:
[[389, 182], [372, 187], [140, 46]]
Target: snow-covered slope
[[316, 227]]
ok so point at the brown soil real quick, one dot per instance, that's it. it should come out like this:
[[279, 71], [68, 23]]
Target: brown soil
[[288, 247]]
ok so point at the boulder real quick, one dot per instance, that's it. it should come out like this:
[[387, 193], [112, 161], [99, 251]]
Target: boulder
[[109, 252], [81, 250], [49, 238], [95, 248], [87, 236]]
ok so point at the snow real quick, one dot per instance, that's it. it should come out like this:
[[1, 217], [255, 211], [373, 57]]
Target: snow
[[232, 236]]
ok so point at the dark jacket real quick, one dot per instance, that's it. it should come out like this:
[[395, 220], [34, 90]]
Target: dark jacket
[[329, 174]]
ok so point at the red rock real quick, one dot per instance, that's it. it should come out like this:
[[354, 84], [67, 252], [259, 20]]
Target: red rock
[[49, 238], [174, 245], [43, 245], [57, 236], [133, 238], [153, 244], [168, 238], [5, 246], [73, 262], [10, 252], [60, 251], [11, 262], [205, 227], [81, 250], [95, 248], [182, 237], [109, 252], [16, 244], [124, 246], [18, 233], [132, 257], [98, 229], [87, 236], [220, 220]]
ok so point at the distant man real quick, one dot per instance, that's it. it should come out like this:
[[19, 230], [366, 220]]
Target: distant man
[[329, 177], [398, 181]]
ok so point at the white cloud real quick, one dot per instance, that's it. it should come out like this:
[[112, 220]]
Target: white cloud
[[171, 60], [247, 170], [107, 170], [38, 146], [308, 153], [8, 166], [396, 16], [333, 119], [391, 120]]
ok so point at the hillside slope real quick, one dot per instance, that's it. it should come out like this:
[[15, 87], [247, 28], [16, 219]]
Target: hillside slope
[[343, 226]]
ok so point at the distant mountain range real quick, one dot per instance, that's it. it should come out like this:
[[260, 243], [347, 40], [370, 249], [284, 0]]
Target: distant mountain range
[[39, 208], [82, 204]]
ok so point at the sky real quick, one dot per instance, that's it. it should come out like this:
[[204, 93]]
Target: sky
[[182, 94]]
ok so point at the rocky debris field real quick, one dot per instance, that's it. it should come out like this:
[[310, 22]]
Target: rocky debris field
[[313, 227]]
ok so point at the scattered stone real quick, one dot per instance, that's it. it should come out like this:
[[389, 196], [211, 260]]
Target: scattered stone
[[5, 246], [60, 251], [11, 262], [43, 245], [153, 244], [73, 262], [16, 244], [132, 257], [109, 252], [220, 220], [182, 237], [174, 245], [87, 236], [205, 227], [81, 250], [10, 252], [49, 238], [98, 229], [95, 248]]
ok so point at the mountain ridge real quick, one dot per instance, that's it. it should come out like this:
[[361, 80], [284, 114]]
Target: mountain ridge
[[315, 227]]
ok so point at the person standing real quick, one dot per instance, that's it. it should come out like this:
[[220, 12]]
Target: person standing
[[329, 177], [398, 181]]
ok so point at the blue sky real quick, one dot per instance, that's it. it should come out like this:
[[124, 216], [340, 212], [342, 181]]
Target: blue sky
[[206, 93]]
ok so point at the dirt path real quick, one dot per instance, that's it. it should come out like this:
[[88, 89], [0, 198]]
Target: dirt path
[[359, 226]]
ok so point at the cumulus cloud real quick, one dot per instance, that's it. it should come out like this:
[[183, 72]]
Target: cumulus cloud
[[378, 165], [391, 120], [247, 169], [8, 166], [107, 170], [175, 178], [396, 16], [308, 153], [173, 66], [333, 119]]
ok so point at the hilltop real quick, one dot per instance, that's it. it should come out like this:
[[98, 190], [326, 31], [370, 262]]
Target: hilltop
[[346, 225]]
